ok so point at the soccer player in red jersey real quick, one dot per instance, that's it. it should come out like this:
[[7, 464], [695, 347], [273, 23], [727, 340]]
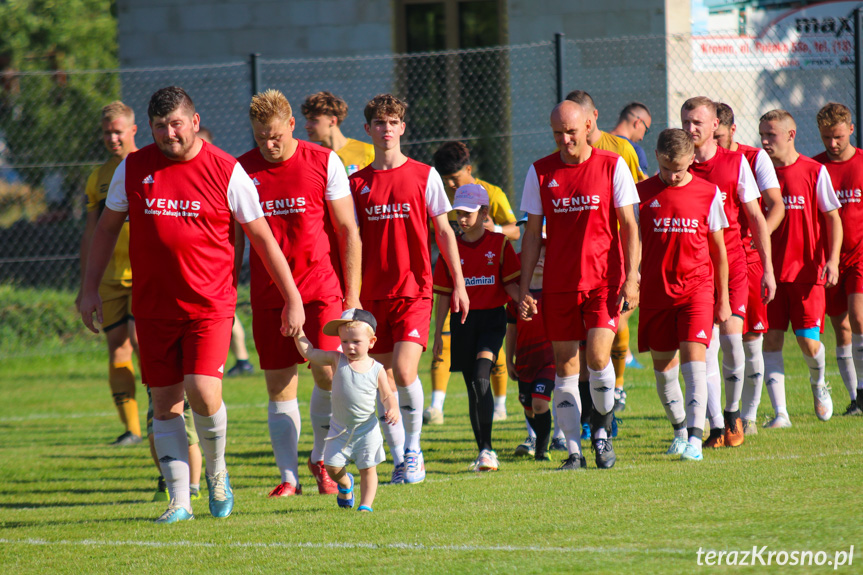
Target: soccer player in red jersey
[[491, 271], [731, 173], [844, 163], [583, 193], [301, 186], [395, 197], [182, 197], [684, 284], [755, 323], [808, 244]]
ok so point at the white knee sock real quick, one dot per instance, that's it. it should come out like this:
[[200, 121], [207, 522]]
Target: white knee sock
[[212, 431], [411, 401], [394, 435], [774, 380], [602, 388], [733, 366], [753, 382], [845, 362], [668, 390], [283, 419], [320, 411], [714, 382], [557, 432], [568, 402], [172, 449], [695, 378], [857, 354], [817, 366]]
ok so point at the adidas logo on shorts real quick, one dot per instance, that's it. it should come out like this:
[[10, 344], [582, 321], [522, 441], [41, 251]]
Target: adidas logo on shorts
[[742, 309], [611, 322], [148, 180], [655, 204], [366, 190], [222, 368], [759, 325], [414, 333], [553, 184], [701, 334]]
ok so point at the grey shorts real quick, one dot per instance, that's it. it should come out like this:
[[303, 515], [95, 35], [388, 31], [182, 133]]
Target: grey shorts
[[362, 444]]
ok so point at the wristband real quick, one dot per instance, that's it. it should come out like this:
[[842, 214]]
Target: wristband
[[498, 229]]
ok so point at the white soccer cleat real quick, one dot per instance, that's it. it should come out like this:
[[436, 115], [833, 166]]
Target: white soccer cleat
[[677, 446], [823, 402], [486, 461], [781, 421], [499, 413], [432, 416]]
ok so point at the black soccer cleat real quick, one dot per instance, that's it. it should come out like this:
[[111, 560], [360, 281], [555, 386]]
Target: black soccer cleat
[[605, 457], [573, 463]]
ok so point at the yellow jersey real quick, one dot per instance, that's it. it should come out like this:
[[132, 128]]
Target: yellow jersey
[[499, 209], [611, 143], [356, 155], [119, 267]]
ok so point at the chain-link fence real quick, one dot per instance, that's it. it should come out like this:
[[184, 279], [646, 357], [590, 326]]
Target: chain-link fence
[[497, 100]]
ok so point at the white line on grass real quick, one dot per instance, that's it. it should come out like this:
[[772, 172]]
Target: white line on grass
[[337, 545]]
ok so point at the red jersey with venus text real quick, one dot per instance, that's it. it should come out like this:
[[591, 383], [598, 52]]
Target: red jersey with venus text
[[847, 180]]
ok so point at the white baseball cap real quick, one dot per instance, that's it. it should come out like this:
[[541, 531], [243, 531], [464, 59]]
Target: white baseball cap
[[470, 198]]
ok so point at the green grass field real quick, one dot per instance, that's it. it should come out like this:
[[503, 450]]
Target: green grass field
[[69, 503]]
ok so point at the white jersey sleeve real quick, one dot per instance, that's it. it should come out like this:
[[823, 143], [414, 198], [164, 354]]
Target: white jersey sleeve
[[716, 219], [765, 173], [117, 200], [625, 193], [243, 196], [436, 199], [747, 188], [531, 203], [827, 200], [337, 179]]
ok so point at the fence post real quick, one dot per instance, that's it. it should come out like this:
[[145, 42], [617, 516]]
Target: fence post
[[255, 65], [558, 60], [858, 71]]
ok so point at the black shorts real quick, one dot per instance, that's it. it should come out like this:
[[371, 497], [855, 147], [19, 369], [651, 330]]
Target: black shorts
[[483, 330], [541, 388]]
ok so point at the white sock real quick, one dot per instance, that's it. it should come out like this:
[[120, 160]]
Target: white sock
[[411, 401], [172, 449], [212, 431], [283, 419], [695, 379], [394, 435], [568, 402], [774, 380], [754, 380], [668, 390], [437, 399], [845, 362], [733, 366], [320, 411], [500, 402], [530, 431], [714, 382], [557, 433], [696, 441], [602, 388], [817, 366], [857, 354]]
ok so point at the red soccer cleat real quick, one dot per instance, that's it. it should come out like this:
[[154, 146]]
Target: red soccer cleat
[[326, 486], [286, 490]]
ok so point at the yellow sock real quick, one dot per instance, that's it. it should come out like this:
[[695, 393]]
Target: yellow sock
[[440, 367], [499, 374], [618, 352], [121, 377]]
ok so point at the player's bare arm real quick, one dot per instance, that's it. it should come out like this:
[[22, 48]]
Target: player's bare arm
[[531, 245], [446, 243], [830, 273], [629, 293], [261, 237], [388, 398], [101, 249], [719, 257], [86, 238], [510, 230], [344, 222], [441, 309], [771, 199], [761, 239], [316, 356]]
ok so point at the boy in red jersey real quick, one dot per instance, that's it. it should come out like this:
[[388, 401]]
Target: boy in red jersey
[[844, 163], [395, 197], [730, 172], [491, 271], [182, 197], [806, 259], [755, 324], [684, 284], [583, 193], [301, 187]]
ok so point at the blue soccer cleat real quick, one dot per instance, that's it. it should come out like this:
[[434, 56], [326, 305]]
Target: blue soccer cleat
[[174, 514], [221, 494]]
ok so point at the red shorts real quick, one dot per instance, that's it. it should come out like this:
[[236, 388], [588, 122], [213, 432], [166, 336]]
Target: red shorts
[[664, 329], [738, 287], [569, 316], [850, 282], [756, 312], [801, 304], [172, 349], [400, 319], [276, 351]]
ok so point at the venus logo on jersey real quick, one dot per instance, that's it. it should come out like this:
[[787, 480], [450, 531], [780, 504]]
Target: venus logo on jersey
[[676, 225], [576, 201], [794, 202], [388, 212], [284, 206], [849, 196], [163, 204]]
